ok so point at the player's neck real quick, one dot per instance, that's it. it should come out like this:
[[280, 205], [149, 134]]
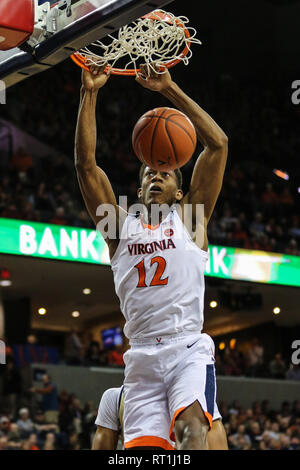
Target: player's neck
[[154, 214]]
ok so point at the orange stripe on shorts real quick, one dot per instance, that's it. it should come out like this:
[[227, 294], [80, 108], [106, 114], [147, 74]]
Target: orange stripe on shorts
[[177, 413], [149, 441]]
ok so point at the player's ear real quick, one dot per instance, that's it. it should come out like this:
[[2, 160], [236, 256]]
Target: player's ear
[[179, 195], [139, 193]]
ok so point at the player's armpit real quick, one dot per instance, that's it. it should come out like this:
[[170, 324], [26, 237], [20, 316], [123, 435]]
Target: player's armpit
[[105, 439], [207, 177]]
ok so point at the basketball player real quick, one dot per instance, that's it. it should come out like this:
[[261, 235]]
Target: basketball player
[[109, 423], [169, 371]]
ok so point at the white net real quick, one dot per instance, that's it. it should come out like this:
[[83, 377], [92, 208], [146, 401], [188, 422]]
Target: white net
[[159, 38]]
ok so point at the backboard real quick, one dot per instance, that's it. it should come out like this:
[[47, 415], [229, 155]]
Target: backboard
[[64, 26]]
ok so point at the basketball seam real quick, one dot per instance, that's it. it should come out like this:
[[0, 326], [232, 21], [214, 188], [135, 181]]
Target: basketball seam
[[144, 127], [153, 133], [174, 149], [179, 125], [174, 122]]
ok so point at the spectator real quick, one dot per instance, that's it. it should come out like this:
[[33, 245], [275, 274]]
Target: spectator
[[292, 248], [59, 218], [115, 357], [49, 399], [254, 432], [293, 373], [3, 443], [50, 442], [240, 439], [255, 358], [277, 367], [30, 443], [4, 426], [74, 443], [92, 356], [25, 425], [269, 197], [74, 349], [42, 427], [77, 415], [296, 409], [11, 386], [21, 160], [257, 226], [14, 438]]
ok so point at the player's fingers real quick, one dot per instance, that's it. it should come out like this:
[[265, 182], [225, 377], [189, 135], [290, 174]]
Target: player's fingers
[[107, 70], [97, 69], [140, 78], [154, 69], [145, 71]]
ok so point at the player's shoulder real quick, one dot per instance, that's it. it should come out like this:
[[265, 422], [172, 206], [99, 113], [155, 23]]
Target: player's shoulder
[[111, 394]]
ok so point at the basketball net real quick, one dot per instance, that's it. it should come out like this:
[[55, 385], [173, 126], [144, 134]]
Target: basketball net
[[158, 38]]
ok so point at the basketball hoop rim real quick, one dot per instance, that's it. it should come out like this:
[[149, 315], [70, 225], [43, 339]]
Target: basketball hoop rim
[[80, 60]]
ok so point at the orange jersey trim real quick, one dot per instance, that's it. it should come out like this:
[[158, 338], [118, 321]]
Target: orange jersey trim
[[149, 441], [151, 227], [177, 413], [171, 432], [209, 419]]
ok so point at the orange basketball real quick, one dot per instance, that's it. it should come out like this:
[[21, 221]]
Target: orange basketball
[[164, 139]]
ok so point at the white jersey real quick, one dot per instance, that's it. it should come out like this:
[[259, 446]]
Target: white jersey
[[109, 409], [159, 278]]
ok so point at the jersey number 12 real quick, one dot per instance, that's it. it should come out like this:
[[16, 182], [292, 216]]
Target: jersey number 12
[[157, 278]]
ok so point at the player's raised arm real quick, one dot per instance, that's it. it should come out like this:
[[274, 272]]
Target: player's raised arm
[[207, 177], [94, 184]]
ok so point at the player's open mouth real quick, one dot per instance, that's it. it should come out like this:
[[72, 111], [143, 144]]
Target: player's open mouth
[[155, 189]]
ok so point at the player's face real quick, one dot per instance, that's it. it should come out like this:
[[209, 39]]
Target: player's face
[[159, 187]]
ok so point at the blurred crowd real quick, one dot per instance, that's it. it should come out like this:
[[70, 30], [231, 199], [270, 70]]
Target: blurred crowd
[[46, 417], [257, 428], [66, 426], [253, 363], [80, 353], [256, 208], [260, 427]]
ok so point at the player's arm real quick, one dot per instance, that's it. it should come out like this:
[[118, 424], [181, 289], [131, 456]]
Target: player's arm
[[207, 177], [94, 184], [105, 439]]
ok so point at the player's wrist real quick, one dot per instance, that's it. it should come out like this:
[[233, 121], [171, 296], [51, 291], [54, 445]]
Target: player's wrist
[[89, 90], [169, 89]]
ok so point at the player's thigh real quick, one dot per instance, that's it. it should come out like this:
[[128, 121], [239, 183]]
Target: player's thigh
[[192, 395], [217, 439], [146, 412], [192, 418]]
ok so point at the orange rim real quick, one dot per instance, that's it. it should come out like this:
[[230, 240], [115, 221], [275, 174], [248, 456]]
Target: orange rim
[[80, 60]]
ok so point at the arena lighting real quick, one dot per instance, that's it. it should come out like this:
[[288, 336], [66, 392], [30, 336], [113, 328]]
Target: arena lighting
[[86, 291], [299, 189], [42, 311], [232, 343], [213, 304], [281, 174], [5, 274], [276, 310], [5, 283], [75, 314], [222, 346]]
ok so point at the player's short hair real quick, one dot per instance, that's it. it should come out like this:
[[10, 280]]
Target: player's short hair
[[177, 173]]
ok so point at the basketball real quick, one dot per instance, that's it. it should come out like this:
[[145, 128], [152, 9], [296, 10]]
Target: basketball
[[164, 139]]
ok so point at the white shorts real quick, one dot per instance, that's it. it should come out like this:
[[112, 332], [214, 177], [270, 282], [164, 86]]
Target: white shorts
[[163, 376]]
